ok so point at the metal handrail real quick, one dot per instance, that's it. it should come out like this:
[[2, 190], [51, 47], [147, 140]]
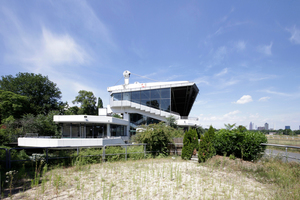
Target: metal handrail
[[122, 145], [286, 147]]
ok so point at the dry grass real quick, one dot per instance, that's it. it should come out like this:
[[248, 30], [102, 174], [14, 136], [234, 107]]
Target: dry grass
[[168, 178]]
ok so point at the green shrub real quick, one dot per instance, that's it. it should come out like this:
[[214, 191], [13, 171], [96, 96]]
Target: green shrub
[[190, 142], [157, 136], [206, 147], [241, 144]]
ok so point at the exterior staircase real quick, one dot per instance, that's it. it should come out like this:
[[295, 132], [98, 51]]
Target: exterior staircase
[[143, 108]]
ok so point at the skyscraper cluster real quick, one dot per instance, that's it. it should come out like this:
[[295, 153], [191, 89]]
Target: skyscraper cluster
[[251, 127]]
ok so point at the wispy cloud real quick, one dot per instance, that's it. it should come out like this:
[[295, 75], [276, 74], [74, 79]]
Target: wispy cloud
[[265, 49], [57, 49], [220, 53], [276, 93], [260, 77], [264, 99], [244, 99], [231, 113], [223, 72], [230, 82], [58, 55], [201, 80], [295, 35], [240, 45]]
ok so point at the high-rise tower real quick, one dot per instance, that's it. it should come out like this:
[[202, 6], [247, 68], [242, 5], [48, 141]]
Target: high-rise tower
[[266, 126]]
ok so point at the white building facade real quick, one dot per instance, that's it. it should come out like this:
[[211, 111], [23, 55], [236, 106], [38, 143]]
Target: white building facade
[[136, 104]]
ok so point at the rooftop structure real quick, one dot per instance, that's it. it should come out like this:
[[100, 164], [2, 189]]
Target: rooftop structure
[[137, 104]]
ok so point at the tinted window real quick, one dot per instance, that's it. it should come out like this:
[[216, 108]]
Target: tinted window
[[127, 96], [166, 93], [117, 96], [155, 94], [145, 94]]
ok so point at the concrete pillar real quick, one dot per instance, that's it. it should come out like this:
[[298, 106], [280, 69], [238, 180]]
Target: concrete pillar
[[108, 130], [126, 116]]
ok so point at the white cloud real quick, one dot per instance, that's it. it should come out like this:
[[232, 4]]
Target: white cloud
[[244, 99], [57, 49], [223, 72], [240, 45], [265, 49], [264, 99], [295, 35], [230, 114]]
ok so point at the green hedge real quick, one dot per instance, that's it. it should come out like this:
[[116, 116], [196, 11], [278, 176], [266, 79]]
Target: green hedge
[[94, 155], [241, 144]]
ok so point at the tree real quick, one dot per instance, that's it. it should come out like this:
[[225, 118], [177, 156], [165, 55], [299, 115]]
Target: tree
[[41, 124], [200, 131], [190, 143], [171, 121], [229, 126], [157, 136], [87, 101], [72, 110], [12, 104], [43, 94], [206, 147], [100, 103]]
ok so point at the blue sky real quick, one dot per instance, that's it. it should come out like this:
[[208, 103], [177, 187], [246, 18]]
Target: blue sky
[[243, 56]]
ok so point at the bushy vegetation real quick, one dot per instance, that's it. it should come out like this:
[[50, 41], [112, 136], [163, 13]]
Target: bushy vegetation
[[190, 143], [206, 147], [157, 136], [240, 143]]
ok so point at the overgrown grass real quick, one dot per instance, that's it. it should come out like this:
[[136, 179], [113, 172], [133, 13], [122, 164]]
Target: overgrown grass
[[164, 178], [284, 140], [283, 177]]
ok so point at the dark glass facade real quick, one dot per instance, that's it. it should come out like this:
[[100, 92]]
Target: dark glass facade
[[176, 99], [74, 130], [138, 119], [156, 98]]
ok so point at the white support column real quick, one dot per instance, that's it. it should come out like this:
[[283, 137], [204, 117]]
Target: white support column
[[126, 116], [108, 130]]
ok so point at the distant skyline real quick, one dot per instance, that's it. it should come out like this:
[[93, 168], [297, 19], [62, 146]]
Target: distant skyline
[[243, 56]]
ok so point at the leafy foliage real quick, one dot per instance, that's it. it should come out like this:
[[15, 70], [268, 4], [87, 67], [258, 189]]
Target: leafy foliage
[[43, 95], [240, 143], [87, 101], [41, 124], [72, 110], [200, 131], [100, 103], [157, 136], [12, 104], [206, 147], [190, 142], [171, 121]]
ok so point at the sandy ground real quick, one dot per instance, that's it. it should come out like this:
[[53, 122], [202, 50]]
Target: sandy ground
[[147, 179]]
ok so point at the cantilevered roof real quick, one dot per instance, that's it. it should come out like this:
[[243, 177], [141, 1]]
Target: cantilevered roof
[[147, 86]]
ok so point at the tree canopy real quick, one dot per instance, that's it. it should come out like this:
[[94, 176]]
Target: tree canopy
[[87, 101], [12, 104], [43, 94]]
